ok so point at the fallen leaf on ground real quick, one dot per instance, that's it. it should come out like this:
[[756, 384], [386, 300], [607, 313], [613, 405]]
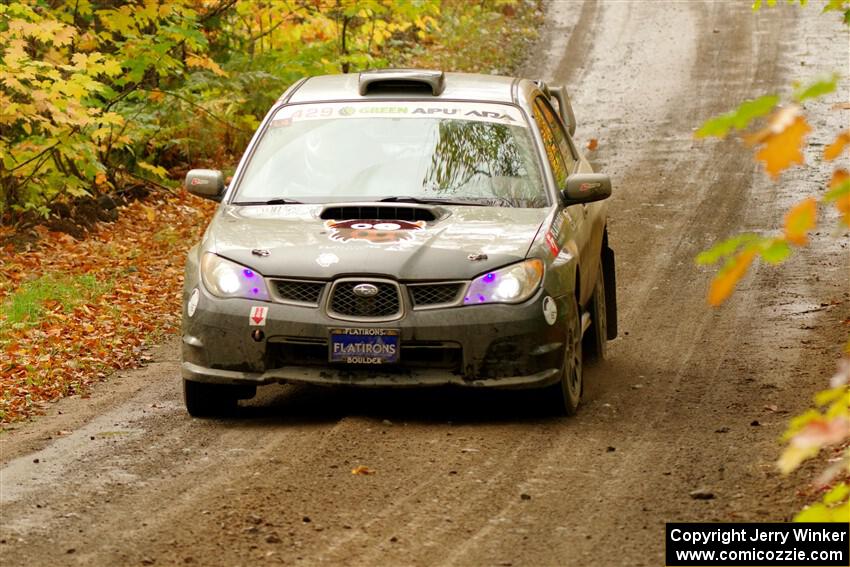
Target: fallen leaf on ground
[[362, 470], [592, 144]]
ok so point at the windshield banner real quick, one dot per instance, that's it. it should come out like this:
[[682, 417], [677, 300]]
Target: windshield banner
[[473, 111]]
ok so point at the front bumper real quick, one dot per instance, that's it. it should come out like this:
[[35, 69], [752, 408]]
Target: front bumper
[[499, 346]]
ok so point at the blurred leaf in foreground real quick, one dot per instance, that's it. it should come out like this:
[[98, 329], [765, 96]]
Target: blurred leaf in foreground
[[800, 220], [739, 119], [724, 283], [834, 150], [781, 141]]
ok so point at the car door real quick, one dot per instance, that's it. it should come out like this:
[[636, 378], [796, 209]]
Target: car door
[[562, 159]]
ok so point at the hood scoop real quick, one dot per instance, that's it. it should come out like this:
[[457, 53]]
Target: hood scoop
[[410, 213]]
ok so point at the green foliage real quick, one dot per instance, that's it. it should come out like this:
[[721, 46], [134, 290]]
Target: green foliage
[[772, 250], [60, 83], [726, 248], [841, 191], [829, 6], [816, 89], [771, 3], [834, 507], [739, 119]]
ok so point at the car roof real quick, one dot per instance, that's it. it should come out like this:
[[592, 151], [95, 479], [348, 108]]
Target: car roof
[[408, 84]]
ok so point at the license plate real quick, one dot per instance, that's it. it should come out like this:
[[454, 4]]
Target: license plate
[[364, 346]]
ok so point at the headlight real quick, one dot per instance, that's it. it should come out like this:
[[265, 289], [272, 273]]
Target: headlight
[[224, 278], [512, 284]]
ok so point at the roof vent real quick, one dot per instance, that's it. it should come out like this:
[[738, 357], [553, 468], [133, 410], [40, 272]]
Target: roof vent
[[402, 80]]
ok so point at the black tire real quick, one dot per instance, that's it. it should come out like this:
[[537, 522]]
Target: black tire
[[596, 339], [213, 400], [565, 395]]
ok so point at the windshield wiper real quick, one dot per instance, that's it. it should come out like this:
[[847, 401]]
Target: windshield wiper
[[278, 201], [430, 201]]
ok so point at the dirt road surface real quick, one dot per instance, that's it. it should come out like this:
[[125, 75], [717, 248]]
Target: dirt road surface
[[691, 398]]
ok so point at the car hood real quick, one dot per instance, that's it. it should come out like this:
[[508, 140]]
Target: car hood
[[294, 241]]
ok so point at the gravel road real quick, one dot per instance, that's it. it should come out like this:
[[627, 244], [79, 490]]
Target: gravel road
[[690, 399]]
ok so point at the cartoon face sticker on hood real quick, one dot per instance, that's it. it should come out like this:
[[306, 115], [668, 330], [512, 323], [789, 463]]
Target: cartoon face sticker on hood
[[376, 231]]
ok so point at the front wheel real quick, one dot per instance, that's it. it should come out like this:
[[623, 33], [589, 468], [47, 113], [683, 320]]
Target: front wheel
[[213, 400], [565, 394]]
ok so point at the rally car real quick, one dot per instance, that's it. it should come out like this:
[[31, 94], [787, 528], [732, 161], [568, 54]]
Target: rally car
[[402, 228]]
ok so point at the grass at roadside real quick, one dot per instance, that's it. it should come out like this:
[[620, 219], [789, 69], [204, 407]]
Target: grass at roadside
[[27, 305]]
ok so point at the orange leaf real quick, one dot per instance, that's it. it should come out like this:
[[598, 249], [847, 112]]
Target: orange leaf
[[361, 469], [592, 144], [778, 122], [782, 149], [800, 220], [724, 283], [834, 150], [838, 177]]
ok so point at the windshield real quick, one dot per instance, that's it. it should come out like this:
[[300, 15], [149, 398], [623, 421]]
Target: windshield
[[460, 152]]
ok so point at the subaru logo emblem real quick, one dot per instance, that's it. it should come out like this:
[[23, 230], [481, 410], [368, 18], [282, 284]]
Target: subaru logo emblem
[[365, 290]]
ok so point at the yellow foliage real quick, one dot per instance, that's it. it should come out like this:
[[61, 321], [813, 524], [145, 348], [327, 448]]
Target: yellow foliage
[[724, 283], [204, 62], [834, 150], [799, 220], [781, 140]]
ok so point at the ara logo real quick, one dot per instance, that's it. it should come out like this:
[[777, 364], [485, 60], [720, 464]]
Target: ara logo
[[453, 111]]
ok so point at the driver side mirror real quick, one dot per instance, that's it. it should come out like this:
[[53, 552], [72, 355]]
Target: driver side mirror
[[587, 187], [206, 183]]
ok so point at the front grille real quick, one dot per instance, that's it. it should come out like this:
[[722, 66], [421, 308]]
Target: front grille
[[434, 294], [385, 304], [299, 291]]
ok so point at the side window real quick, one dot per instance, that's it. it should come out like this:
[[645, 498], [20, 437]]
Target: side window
[[560, 135], [550, 144]]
